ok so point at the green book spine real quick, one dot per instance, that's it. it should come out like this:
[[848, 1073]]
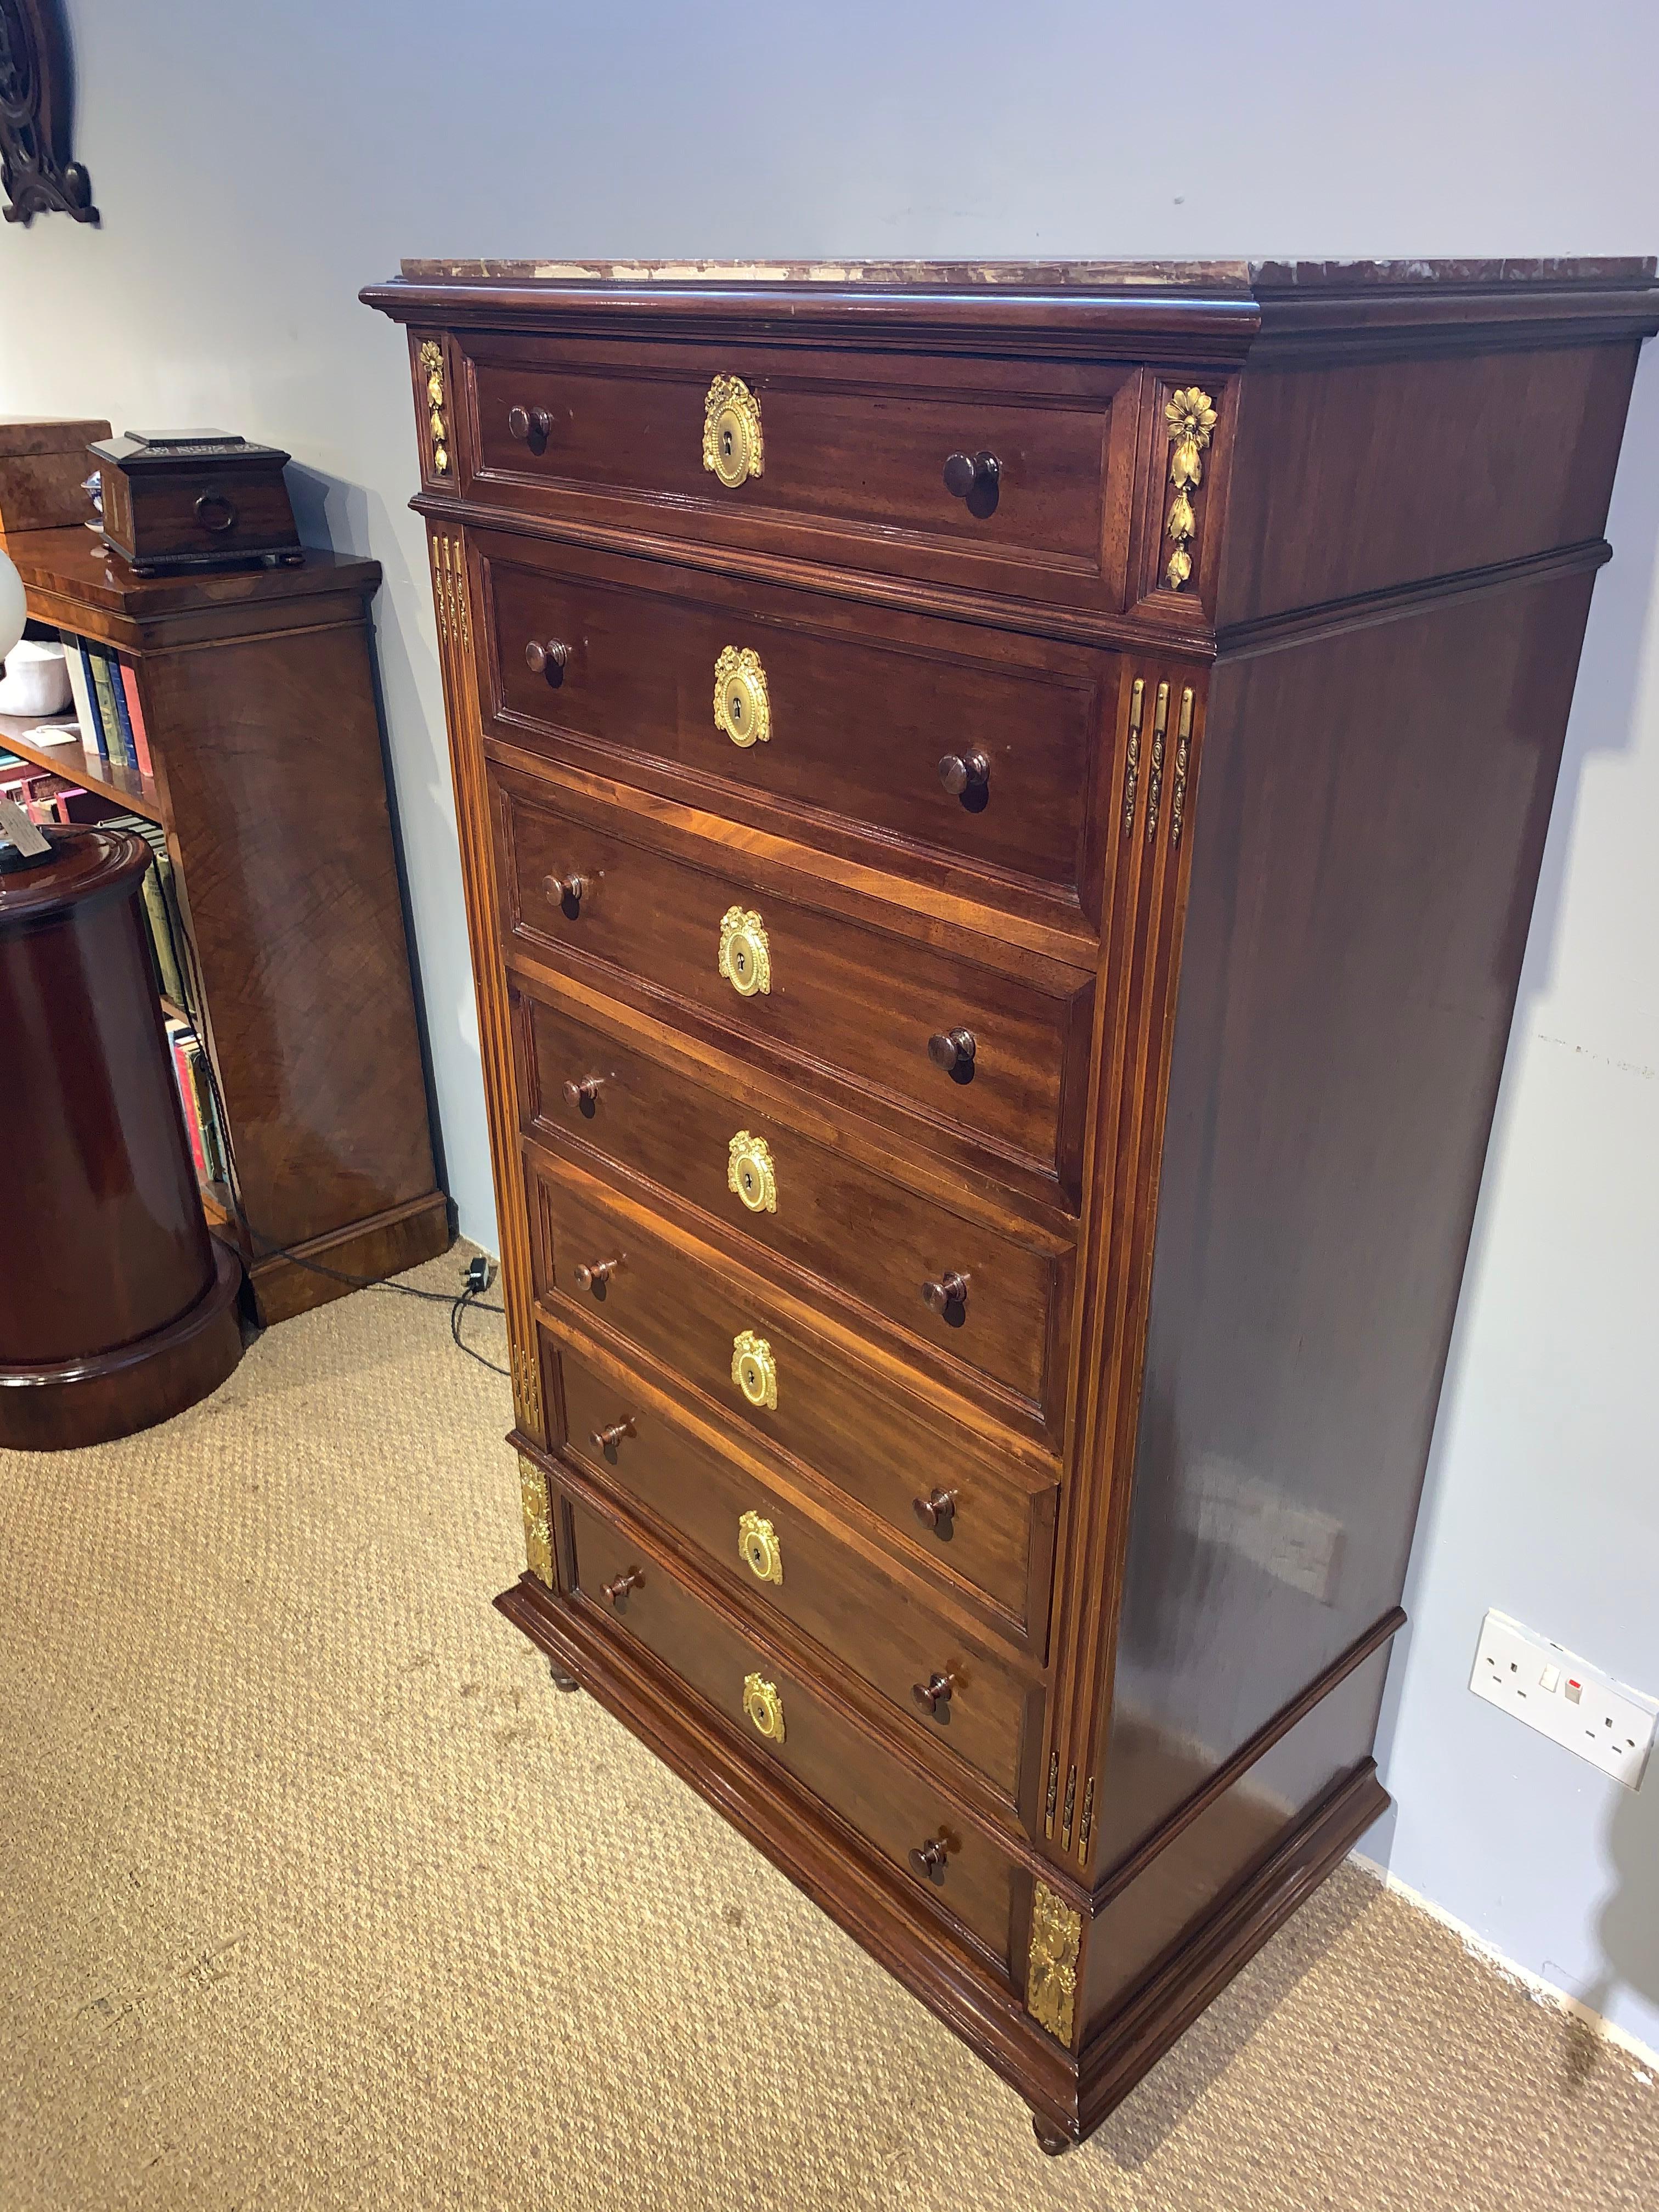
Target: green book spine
[[176, 929], [103, 685], [160, 936]]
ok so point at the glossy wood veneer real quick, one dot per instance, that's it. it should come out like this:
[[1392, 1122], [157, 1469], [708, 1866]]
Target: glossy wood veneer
[[855, 456], [841, 1412], [1288, 1001], [838, 1225], [855, 1600], [862, 709], [650, 922], [113, 1312]]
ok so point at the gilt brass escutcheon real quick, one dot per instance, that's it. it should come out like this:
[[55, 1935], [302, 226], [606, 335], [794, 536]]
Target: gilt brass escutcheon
[[748, 1172], [754, 1370], [745, 958], [742, 708], [764, 1707], [759, 1549], [732, 446]]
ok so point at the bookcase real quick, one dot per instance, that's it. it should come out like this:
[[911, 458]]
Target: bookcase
[[257, 690]]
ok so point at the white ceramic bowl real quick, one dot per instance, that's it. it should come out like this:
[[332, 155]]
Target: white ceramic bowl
[[36, 681]]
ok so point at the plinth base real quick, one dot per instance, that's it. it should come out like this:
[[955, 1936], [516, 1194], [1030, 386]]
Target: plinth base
[[104, 1394]]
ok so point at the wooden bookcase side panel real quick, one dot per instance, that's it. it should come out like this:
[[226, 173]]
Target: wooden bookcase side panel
[[277, 806], [258, 693]]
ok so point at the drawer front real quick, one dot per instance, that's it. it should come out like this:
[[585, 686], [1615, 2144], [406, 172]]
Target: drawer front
[[833, 992], [856, 1430], [808, 1203], [788, 1562], [853, 450], [876, 1794], [842, 712]]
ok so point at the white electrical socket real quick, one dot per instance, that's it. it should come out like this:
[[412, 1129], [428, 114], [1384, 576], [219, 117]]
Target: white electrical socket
[[1564, 1698]]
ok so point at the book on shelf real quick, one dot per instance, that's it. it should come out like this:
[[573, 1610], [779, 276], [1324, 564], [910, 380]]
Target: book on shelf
[[117, 692], [103, 694], [129, 676], [168, 945], [107, 704], [196, 1100], [80, 676], [45, 797]]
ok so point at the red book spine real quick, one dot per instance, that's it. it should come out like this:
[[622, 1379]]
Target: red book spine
[[187, 1099], [136, 712]]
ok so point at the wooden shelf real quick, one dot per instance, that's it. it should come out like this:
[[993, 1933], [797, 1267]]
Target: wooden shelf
[[124, 786], [216, 1205]]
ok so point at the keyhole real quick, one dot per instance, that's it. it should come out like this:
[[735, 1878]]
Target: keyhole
[[725, 443]]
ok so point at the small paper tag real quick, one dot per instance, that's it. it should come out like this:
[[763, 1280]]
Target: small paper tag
[[16, 829]]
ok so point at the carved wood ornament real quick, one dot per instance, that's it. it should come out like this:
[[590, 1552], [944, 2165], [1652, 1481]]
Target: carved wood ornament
[[37, 98]]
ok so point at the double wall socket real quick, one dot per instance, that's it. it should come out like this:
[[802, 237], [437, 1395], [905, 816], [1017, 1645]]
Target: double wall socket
[[1564, 1698]]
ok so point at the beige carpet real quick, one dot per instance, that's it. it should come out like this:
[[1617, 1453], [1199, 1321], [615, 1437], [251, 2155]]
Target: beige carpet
[[313, 1892]]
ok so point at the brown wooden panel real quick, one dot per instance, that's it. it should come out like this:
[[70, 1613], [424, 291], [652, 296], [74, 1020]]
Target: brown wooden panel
[[851, 1424], [885, 1801], [834, 1220], [297, 923], [1372, 811], [1350, 477], [863, 705], [873, 1622], [854, 450], [843, 994]]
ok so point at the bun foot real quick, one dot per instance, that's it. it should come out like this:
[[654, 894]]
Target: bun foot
[[1051, 2140], [560, 1679]]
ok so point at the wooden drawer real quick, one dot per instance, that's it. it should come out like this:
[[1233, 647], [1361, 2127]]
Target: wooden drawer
[[853, 452], [841, 995], [831, 1414], [821, 1212], [860, 707], [875, 1793], [789, 1561]]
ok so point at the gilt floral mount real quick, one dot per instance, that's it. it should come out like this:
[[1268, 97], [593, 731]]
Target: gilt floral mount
[[38, 171], [1188, 419]]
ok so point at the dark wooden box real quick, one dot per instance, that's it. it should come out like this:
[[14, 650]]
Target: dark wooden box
[[43, 461], [194, 499]]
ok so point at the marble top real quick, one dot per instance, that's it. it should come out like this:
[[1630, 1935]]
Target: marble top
[[1244, 278]]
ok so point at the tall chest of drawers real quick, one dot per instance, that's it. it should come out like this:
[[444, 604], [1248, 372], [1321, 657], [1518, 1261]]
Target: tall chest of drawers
[[999, 810]]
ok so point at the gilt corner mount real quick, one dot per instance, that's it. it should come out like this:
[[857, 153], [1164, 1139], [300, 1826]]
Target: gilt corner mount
[[37, 98]]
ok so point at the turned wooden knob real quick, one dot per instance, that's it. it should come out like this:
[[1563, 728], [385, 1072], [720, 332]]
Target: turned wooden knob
[[952, 1049], [586, 1274], [528, 423], [950, 1290], [965, 473], [960, 772], [583, 1096], [928, 1859], [617, 1591], [550, 660], [569, 891], [938, 1511], [934, 1694], [607, 1440]]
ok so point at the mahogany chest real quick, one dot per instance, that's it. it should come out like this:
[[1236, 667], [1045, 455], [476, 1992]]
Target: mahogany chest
[[1000, 807]]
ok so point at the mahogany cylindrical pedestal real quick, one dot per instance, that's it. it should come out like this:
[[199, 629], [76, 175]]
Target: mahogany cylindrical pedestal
[[116, 1308]]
